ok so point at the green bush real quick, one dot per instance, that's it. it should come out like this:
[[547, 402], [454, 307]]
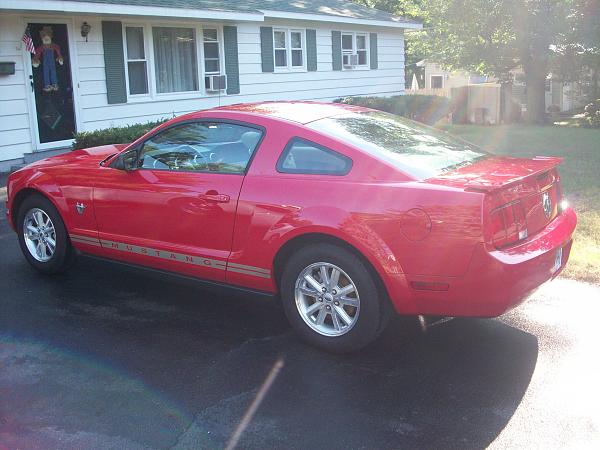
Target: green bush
[[114, 135], [424, 108], [591, 115]]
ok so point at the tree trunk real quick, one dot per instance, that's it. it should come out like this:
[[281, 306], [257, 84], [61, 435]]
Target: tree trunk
[[535, 79]]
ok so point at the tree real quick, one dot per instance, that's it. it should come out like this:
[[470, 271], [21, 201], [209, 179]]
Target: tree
[[577, 58], [492, 37]]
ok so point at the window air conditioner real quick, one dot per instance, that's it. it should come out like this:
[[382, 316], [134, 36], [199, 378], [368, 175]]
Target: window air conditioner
[[215, 83], [350, 60]]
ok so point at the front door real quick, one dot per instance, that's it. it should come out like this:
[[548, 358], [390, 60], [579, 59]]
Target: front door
[[51, 84], [176, 210]]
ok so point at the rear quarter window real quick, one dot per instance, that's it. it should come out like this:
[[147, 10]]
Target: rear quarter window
[[305, 157]]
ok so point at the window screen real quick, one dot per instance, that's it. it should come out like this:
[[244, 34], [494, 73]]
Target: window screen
[[302, 156]]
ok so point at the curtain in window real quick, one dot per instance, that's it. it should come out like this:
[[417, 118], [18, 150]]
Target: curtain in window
[[175, 59]]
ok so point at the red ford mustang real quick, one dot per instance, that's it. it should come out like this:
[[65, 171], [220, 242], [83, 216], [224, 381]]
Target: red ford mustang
[[347, 213]]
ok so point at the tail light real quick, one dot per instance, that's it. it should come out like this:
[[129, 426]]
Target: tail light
[[507, 224]]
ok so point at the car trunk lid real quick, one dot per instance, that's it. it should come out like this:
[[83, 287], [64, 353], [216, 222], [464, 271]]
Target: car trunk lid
[[521, 195]]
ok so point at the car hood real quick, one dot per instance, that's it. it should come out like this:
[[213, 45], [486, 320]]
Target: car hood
[[83, 158]]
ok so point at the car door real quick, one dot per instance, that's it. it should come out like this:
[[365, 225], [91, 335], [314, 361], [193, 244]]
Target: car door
[[174, 208]]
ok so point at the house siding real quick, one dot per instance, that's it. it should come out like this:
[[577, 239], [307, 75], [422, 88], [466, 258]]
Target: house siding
[[15, 135], [95, 112]]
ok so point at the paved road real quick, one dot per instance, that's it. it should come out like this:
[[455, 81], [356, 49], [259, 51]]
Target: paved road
[[107, 357]]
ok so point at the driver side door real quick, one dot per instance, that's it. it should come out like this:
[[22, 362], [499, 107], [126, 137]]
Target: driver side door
[[176, 209]]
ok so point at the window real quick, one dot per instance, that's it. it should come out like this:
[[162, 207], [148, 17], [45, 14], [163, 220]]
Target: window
[[354, 50], [212, 59], [361, 49], [417, 150], [302, 156], [175, 62], [137, 71], [289, 48], [219, 147], [437, 81], [279, 40]]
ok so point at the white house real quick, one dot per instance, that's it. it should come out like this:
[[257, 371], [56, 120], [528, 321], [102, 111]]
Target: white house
[[117, 62]]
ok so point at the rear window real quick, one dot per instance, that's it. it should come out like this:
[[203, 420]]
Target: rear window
[[418, 150], [302, 156]]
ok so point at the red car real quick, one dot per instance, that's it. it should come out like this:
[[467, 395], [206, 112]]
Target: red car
[[347, 213]]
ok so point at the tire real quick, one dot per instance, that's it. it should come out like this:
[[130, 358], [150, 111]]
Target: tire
[[46, 261], [365, 306]]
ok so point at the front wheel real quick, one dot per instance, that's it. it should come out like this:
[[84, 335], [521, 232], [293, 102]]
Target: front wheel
[[43, 236], [331, 298]]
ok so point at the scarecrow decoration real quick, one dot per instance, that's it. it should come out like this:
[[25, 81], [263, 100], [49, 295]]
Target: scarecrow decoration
[[45, 54]]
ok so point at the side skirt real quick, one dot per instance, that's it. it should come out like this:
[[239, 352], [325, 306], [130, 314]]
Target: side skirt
[[209, 285]]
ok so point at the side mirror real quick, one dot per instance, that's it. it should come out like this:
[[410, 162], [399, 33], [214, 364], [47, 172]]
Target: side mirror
[[130, 160], [126, 161]]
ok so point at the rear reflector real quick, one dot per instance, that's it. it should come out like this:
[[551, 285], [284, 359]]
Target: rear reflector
[[429, 286]]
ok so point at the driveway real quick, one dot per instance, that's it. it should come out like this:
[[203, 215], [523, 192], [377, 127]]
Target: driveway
[[109, 357]]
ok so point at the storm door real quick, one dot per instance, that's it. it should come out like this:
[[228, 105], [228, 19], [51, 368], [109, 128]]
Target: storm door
[[50, 81]]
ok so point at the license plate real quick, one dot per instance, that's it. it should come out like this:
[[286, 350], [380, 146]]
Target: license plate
[[557, 260]]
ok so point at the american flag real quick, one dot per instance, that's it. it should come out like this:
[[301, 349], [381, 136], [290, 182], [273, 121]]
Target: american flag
[[28, 41]]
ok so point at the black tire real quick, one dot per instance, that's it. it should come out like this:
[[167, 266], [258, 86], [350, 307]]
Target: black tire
[[63, 254], [373, 312]]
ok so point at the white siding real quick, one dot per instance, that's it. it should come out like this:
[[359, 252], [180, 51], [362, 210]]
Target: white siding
[[15, 136], [95, 112]]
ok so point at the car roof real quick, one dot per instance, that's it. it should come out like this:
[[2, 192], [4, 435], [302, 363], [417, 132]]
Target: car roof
[[302, 112]]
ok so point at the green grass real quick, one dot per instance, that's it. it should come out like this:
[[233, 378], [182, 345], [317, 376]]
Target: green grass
[[580, 174]]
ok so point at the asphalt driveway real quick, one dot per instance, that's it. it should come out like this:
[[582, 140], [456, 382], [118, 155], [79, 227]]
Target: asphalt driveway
[[110, 357]]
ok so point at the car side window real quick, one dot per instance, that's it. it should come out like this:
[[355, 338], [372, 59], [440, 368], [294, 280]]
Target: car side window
[[303, 156], [220, 147]]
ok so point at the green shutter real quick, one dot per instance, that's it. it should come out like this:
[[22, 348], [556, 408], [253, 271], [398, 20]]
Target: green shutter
[[311, 50], [373, 50], [114, 62], [232, 68], [266, 49], [336, 49]]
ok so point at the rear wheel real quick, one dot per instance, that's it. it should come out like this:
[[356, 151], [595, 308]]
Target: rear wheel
[[331, 298], [43, 236]]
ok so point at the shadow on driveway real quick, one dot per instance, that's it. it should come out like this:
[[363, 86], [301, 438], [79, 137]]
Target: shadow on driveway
[[114, 358]]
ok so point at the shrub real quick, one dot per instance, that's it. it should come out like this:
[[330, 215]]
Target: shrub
[[424, 108], [591, 115], [114, 135]]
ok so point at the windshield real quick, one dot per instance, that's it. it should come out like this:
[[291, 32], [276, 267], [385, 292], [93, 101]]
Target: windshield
[[418, 150]]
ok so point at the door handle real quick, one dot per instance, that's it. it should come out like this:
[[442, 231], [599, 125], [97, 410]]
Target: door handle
[[214, 196]]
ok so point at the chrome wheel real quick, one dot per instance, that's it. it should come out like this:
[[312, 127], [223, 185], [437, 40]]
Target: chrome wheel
[[40, 235], [327, 299]]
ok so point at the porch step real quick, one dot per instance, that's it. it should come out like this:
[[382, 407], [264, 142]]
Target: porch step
[[28, 158]]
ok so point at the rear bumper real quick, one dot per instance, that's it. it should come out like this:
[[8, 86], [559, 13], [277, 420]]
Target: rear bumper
[[496, 280]]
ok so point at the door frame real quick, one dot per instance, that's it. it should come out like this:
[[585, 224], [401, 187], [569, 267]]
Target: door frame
[[28, 71]]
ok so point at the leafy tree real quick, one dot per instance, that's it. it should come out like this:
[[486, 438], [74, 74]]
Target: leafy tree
[[577, 58], [492, 37]]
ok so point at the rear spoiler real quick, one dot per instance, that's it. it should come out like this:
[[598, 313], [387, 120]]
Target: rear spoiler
[[540, 164]]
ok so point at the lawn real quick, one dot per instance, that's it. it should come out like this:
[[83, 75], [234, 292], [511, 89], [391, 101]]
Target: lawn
[[580, 174]]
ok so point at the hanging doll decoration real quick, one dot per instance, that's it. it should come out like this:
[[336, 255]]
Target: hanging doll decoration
[[45, 54]]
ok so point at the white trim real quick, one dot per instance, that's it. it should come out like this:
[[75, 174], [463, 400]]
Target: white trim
[[28, 71], [396, 22], [354, 50], [160, 11], [126, 10], [288, 49], [146, 60]]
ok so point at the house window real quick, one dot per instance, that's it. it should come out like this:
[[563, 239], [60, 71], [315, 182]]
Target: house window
[[175, 61], [211, 51], [437, 81], [354, 50], [137, 70], [289, 48]]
